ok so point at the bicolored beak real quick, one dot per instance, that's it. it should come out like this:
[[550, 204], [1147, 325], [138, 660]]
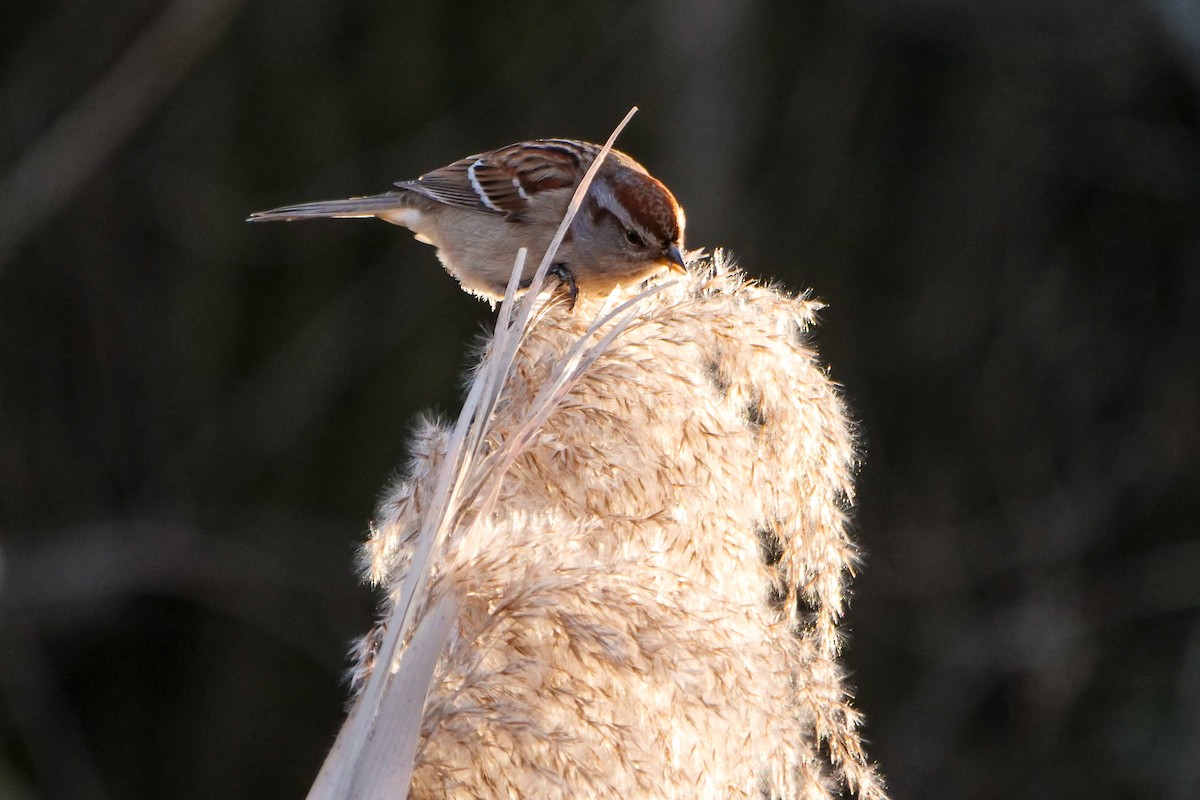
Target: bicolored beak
[[675, 258]]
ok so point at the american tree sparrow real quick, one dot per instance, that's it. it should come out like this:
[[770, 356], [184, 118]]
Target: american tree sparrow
[[480, 209]]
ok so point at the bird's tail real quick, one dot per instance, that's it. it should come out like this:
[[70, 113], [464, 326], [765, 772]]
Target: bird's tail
[[369, 206]]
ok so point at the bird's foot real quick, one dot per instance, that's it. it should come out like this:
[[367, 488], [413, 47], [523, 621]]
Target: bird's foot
[[566, 283]]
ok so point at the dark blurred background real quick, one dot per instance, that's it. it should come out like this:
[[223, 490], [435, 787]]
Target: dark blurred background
[[1000, 203]]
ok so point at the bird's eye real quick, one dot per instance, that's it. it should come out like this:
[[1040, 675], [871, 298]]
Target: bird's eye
[[634, 239]]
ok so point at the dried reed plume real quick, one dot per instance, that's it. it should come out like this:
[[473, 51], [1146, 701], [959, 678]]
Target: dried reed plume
[[649, 608], [619, 574]]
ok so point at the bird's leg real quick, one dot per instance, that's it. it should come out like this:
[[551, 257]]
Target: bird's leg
[[566, 283]]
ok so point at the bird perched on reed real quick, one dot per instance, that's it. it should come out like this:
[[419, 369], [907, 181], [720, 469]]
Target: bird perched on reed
[[620, 572], [480, 209]]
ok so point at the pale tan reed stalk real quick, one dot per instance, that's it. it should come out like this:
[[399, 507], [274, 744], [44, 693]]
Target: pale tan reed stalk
[[637, 592]]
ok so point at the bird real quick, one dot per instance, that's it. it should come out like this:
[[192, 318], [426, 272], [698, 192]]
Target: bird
[[479, 210]]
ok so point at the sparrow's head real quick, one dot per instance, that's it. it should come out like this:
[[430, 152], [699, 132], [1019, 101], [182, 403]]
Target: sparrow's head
[[630, 225]]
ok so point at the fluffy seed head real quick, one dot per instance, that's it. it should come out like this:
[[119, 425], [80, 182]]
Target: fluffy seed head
[[621, 633]]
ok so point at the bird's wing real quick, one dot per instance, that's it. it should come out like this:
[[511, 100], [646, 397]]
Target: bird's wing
[[503, 181]]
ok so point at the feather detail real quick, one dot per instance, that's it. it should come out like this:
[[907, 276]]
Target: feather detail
[[369, 206], [503, 180]]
